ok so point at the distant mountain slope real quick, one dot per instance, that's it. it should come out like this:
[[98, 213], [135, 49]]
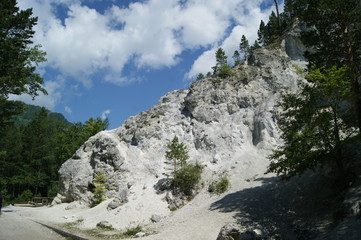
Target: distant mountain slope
[[29, 113]]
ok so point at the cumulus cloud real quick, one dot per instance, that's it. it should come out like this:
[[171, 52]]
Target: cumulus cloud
[[105, 114], [48, 101], [68, 110], [81, 41], [246, 24]]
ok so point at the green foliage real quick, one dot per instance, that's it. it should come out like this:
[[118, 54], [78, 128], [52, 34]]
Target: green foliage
[[200, 77], [334, 34], [237, 58], [93, 126], [131, 232], [221, 57], [254, 47], [32, 151], [244, 47], [177, 155], [186, 179], [275, 27], [221, 185], [224, 71], [25, 196], [221, 61], [221, 69], [18, 58], [314, 123], [99, 190]]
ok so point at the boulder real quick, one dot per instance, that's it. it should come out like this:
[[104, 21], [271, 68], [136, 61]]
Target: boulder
[[104, 224], [229, 232], [119, 200], [155, 218], [233, 231]]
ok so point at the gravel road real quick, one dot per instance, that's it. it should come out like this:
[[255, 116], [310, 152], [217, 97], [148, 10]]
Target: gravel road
[[14, 226]]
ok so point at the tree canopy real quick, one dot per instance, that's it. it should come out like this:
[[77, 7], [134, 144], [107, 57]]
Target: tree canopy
[[317, 122], [18, 58], [32, 151]]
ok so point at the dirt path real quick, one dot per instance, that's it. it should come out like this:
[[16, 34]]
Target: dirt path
[[16, 227]]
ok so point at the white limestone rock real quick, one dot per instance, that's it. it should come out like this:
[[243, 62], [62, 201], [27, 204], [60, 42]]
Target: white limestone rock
[[226, 124]]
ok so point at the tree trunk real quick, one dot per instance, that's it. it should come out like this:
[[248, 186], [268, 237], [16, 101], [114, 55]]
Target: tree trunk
[[278, 18], [339, 154], [351, 62]]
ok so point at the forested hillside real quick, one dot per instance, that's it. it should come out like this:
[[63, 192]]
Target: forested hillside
[[33, 147]]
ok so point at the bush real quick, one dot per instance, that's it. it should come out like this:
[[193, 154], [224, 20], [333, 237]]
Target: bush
[[222, 185], [99, 190], [25, 196], [131, 232], [186, 179], [224, 71]]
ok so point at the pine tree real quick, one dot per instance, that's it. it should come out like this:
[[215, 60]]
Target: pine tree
[[18, 58], [177, 155], [314, 124], [244, 47], [200, 76], [237, 58], [334, 35], [221, 69]]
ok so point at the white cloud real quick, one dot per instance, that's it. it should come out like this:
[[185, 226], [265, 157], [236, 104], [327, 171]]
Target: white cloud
[[105, 114], [68, 110], [152, 34], [247, 24], [48, 101]]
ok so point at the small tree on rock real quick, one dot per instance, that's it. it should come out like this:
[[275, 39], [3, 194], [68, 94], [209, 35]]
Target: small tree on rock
[[99, 190], [221, 69], [177, 155], [237, 58], [244, 47]]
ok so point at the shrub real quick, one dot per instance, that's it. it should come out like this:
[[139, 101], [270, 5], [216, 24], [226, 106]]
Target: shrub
[[25, 196], [186, 179], [130, 232], [222, 185], [224, 71], [99, 190]]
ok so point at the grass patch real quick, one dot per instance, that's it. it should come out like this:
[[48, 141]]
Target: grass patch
[[221, 185], [74, 224], [131, 232]]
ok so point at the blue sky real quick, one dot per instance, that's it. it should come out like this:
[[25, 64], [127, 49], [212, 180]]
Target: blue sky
[[116, 58]]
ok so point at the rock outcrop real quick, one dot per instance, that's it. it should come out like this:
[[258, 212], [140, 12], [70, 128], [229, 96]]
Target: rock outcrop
[[227, 124]]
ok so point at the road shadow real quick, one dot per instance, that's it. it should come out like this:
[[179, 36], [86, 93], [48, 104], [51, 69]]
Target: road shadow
[[290, 209]]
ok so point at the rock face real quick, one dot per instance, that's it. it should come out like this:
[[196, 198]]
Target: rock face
[[227, 125]]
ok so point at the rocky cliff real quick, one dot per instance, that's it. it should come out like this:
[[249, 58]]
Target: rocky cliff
[[227, 124]]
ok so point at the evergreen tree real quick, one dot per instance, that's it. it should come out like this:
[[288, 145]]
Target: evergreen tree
[[334, 35], [222, 69], [254, 47], [177, 155], [93, 126], [278, 18], [244, 47], [200, 77], [314, 124], [261, 32], [18, 58], [237, 58]]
